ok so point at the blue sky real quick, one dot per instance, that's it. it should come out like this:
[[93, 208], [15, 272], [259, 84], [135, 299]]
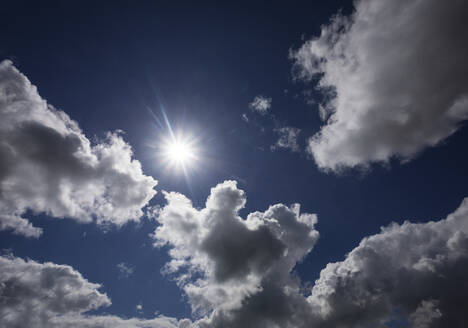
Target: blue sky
[[375, 99]]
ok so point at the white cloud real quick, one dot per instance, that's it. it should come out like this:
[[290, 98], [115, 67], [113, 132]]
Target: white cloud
[[47, 295], [244, 266], [287, 138], [260, 104], [245, 118], [239, 272], [139, 308], [47, 165], [417, 269], [125, 270], [31, 293], [395, 79]]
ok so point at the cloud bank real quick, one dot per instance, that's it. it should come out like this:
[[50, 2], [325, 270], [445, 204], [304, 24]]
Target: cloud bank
[[240, 272], [47, 165], [395, 80]]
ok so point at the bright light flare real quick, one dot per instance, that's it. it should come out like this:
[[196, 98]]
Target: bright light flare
[[179, 152]]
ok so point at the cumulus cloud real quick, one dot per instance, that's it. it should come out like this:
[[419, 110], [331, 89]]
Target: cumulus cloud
[[261, 104], [394, 77], [31, 293], [236, 271], [240, 272], [287, 138], [416, 270], [48, 295], [47, 165]]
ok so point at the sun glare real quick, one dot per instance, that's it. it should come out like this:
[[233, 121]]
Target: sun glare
[[179, 153]]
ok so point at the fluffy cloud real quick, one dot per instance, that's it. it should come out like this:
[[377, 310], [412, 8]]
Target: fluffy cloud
[[31, 293], [48, 295], [287, 138], [260, 104], [395, 80], [47, 165], [237, 271], [412, 270]]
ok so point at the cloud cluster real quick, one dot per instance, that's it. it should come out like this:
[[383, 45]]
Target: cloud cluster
[[240, 273], [260, 104], [47, 295], [395, 80], [47, 165], [237, 272], [287, 138]]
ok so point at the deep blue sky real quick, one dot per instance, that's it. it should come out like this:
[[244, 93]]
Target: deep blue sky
[[105, 64]]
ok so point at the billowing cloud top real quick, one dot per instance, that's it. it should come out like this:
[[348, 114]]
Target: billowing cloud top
[[239, 272], [47, 165], [395, 76], [243, 266]]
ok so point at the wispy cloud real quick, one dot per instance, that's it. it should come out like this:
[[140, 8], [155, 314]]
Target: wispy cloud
[[287, 138], [261, 104], [125, 270]]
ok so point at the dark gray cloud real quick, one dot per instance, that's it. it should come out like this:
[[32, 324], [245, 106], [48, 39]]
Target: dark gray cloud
[[47, 295], [395, 77], [47, 164]]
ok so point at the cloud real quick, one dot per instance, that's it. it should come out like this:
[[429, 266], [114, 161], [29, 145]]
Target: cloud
[[416, 270], [139, 308], [125, 270], [240, 272], [394, 77], [236, 271], [47, 165], [32, 292], [245, 118], [260, 104], [49, 295], [287, 138]]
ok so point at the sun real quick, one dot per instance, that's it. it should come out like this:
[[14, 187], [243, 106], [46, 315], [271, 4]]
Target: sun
[[179, 152]]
